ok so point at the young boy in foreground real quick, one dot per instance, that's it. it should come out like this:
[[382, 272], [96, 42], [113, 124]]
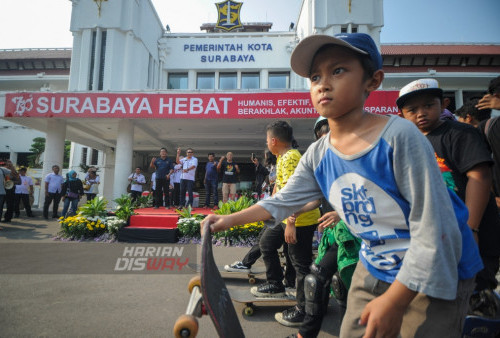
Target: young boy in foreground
[[417, 257]]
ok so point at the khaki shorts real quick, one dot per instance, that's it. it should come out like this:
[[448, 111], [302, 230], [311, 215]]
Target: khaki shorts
[[228, 189], [425, 317]]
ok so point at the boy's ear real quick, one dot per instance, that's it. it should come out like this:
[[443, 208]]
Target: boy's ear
[[400, 113], [375, 81]]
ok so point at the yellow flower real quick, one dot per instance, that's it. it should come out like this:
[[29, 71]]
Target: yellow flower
[[102, 226]]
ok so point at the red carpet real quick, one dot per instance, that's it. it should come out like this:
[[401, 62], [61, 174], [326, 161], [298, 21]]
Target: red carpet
[[160, 218]]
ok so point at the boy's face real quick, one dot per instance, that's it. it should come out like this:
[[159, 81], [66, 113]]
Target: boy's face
[[424, 111], [163, 153], [210, 158], [337, 82]]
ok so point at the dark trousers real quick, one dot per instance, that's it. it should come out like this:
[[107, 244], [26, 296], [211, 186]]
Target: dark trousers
[[486, 278], [162, 187], [186, 185], [90, 197], [134, 194], [10, 197], [2, 200], [312, 321], [176, 194], [26, 202], [254, 253], [300, 255], [54, 198], [211, 189]]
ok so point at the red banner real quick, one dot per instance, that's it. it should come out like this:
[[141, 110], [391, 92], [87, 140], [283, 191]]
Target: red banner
[[184, 106]]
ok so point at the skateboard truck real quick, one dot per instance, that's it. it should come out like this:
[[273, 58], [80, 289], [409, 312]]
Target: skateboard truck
[[187, 325]]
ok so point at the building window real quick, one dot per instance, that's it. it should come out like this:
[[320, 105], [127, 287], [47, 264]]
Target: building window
[[250, 80], [83, 159], [97, 62], [151, 64], [343, 29], [100, 86], [177, 81], [354, 29], [228, 81], [95, 157], [92, 61], [279, 80], [205, 81]]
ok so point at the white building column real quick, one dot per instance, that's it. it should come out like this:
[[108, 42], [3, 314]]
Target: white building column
[[264, 78], [459, 98], [13, 157], [108, 175], [54, 150], [123, 157]]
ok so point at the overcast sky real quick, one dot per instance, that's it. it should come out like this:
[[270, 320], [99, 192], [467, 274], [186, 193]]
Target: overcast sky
[[45, 23]]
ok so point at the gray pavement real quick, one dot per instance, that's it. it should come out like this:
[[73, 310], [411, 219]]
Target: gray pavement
[[108, 305]]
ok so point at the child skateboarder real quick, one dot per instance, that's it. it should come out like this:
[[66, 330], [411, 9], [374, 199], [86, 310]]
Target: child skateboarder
[[465, 162], [418, 257]]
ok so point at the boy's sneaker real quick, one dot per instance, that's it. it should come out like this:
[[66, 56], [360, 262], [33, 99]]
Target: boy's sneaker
[[237, 267], [292, 317], [269, 289]]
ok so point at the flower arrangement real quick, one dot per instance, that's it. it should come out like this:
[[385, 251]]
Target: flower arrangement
[[246, 234], [92, 220], [189, 224], [80, 227]]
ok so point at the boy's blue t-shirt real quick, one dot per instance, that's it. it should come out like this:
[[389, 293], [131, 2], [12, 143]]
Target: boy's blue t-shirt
[[392, 196]]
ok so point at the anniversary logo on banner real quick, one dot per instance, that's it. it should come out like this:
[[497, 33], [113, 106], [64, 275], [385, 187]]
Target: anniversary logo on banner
[[178, 105]]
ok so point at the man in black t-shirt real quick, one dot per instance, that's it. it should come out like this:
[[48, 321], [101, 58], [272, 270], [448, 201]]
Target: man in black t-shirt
[[229, 171], [465, 162]]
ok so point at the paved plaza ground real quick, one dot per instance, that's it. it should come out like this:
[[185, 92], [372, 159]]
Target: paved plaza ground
[[58, 304]]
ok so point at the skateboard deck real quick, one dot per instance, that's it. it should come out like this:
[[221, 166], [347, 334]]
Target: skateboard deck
[[481, 327], [209, 295], [245, 296], [254, 272]]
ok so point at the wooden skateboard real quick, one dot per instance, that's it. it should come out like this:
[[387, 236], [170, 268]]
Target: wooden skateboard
[[252, 275], [245, 296], [208, 295]]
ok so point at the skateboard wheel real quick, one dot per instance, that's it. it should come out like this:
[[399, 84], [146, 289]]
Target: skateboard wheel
[[251, 280], [195, 281], [186, 326], [248, 311]]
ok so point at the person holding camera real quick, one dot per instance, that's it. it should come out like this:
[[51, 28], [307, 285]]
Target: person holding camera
[[260, 175], [137, 180]]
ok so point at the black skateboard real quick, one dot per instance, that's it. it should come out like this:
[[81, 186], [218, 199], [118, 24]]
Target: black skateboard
[[209, 295]]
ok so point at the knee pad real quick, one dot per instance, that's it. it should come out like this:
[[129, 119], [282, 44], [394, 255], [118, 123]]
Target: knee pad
[[316, 291], [339, 289]]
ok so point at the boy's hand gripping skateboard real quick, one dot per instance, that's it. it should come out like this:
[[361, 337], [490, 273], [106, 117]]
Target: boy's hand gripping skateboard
[[208, 295]]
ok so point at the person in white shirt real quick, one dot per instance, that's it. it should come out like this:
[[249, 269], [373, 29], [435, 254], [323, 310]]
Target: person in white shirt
[[92, 180], [189, 165], [175, 181], [137, 180], [23, 193], [53, 188]]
